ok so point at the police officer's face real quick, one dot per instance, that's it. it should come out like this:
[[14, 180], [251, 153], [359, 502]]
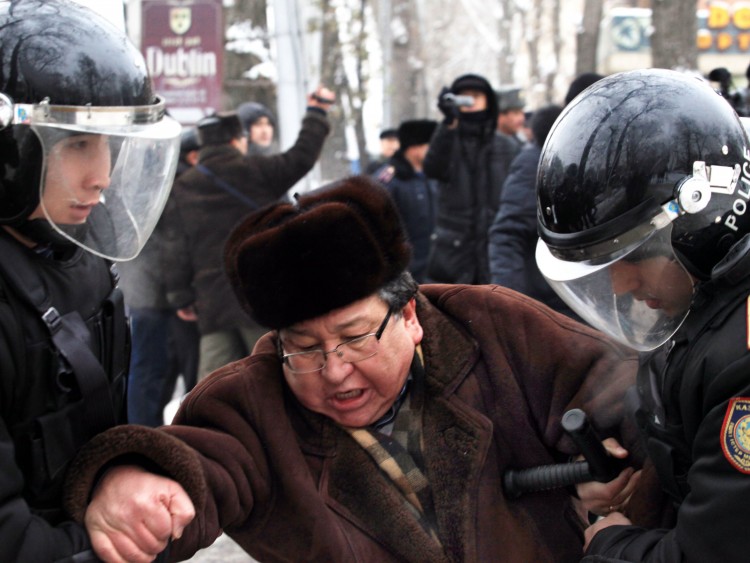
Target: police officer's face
[[354, 394], [659, 282], [77, 171]]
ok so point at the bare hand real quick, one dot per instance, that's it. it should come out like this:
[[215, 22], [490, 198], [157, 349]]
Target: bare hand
[[322, 98], [614, 519], [187, 314], [134, 513], [604, 498]]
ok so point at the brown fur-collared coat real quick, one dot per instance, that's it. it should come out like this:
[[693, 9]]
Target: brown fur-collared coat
[[290, 485]]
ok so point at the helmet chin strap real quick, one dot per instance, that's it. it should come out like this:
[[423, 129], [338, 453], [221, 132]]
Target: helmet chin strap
[[42, 232]]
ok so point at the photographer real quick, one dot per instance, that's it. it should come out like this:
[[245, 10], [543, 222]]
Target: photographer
[[464, 156]]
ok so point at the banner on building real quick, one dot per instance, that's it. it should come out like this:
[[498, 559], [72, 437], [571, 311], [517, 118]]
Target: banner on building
[[183, 42]]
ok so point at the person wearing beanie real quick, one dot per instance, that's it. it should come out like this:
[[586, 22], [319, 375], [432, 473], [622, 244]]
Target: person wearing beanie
[[259, 124], [465, 158], [209, 200], [374, 422], [414, 194]]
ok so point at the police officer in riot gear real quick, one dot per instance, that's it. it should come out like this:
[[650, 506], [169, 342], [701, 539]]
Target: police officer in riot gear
[[88, 157], [644, 223]]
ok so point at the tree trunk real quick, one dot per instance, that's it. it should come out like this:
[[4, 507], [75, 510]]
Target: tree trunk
[[673, 42], [588, 38], [333, 161]]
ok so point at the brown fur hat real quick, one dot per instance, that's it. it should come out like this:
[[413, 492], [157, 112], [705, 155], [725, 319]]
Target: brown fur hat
[[293, 262]]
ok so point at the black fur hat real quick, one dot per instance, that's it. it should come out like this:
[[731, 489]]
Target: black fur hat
[[292, 262], [219, 128], [415, 132]]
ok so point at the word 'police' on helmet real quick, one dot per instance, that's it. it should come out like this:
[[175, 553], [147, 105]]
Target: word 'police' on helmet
[[75, 95], [642, 189]]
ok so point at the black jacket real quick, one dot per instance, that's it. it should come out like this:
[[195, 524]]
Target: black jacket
[[470, 162], [200, 215], [700, 444], [415, 196], [42, 419], [513, 234]]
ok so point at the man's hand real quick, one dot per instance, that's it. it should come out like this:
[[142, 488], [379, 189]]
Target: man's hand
[[187, 314], [605, 498], [134, 513], [614, 519], [322, 98], [447, 106]]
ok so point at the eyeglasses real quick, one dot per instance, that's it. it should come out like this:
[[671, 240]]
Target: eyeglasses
[[350, 351]]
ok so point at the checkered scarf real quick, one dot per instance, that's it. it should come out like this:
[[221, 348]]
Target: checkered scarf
[[399, 455]]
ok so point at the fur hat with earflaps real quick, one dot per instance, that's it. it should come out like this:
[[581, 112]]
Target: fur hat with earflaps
[[291, 262]]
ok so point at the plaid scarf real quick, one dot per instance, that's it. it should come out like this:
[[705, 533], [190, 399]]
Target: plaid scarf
[[399, 455]]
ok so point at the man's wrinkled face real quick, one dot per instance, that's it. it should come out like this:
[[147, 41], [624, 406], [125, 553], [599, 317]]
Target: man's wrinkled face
[[354, 394], [77, 171]]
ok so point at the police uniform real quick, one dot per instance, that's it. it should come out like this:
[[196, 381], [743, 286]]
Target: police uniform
[[695, 412], [44, 416]]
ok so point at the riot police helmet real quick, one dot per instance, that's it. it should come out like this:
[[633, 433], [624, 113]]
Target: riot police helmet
[[642, 190], [88, 153]]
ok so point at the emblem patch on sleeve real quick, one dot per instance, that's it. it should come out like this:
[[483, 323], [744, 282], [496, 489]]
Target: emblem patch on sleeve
[[735, 434]]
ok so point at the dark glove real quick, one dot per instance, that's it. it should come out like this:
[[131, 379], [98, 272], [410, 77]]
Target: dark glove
[[447, 105]]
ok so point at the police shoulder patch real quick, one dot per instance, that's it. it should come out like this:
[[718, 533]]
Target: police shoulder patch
[[735, 434]]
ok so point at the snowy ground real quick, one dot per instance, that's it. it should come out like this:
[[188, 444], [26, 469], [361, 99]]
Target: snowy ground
[[224, 550]]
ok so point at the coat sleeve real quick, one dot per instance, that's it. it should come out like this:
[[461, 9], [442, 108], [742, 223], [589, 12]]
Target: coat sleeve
[[514, 226], [279, 172], [437, 162], [213, 448]]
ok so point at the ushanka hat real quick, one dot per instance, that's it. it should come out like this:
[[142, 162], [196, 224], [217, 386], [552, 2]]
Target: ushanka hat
[[291, 262], [415, 132]]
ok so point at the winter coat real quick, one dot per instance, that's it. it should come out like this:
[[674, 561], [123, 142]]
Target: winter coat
[[513, 234], [200, 216], [43, 420], [290, 485], [470, 162], [698, 430], [415, 196]]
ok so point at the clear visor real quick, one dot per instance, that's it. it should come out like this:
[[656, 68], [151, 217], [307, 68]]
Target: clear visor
[[640, 297], [104, 184]]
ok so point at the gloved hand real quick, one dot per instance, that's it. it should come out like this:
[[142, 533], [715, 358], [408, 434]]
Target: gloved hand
[[447, 105]]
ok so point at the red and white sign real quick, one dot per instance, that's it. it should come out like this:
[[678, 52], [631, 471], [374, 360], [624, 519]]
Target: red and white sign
[[183, 43]]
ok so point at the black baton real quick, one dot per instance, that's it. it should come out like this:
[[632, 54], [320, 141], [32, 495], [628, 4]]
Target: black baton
[[598, 465]]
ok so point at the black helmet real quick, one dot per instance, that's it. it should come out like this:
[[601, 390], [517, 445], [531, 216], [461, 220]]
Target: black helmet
[[650, 160], [65, 71]]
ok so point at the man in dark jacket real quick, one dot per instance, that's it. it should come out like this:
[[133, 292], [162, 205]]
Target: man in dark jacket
[[648, 239], [415, 195], [375, 422], [208, 201], [466, 158]]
